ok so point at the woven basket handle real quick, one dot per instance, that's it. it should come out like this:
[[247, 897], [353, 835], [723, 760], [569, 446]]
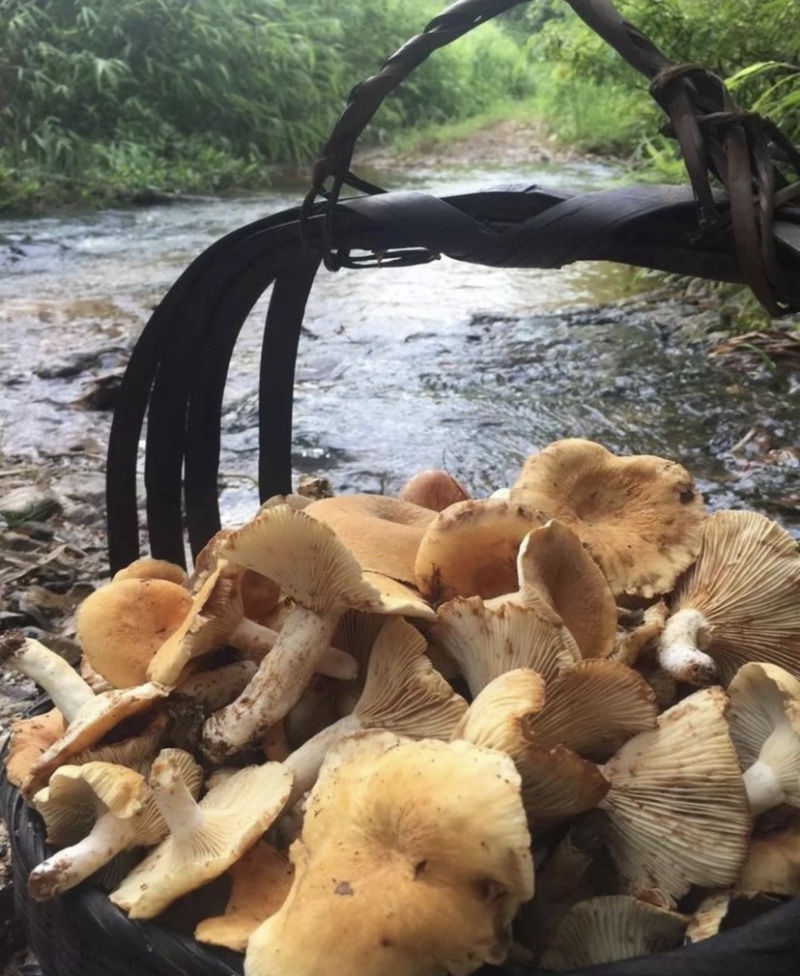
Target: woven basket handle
[[716, 138]]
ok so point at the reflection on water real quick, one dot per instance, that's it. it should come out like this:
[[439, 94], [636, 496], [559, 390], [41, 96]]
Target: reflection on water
[[446, 364]]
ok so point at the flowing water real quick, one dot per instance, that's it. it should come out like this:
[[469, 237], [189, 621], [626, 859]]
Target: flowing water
[[444, 365]]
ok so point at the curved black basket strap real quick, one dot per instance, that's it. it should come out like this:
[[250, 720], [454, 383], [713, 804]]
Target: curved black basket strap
[[208, 274], [126, 426], [293, 272], [278, 361]]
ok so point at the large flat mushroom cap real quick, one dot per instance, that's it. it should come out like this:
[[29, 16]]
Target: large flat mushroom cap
[[641, 517], [396, 853], [382, 533]]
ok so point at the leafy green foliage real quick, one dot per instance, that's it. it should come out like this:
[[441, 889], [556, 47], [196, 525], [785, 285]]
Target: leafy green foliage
[[591, 97], [98, 94]]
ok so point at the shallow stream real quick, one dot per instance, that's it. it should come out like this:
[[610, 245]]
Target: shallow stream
[[444, 365]]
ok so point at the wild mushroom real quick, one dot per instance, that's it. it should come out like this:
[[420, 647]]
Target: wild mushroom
[[216, 617], [382, 533], [29, 738], [680, 781], [641, 518], [486, 640], [433, 489], [470, 549], [724, 910], [121, 626], [324, 579], [562, 582], [610, 929], [737, 603], [65, 687], [148, 568], [634, 638], [260, 883], [773, 862], [94, 720], [556, 783], [100, 809], [403, 694], [205, 839], [396, 853], [764, 723], [593, 707]]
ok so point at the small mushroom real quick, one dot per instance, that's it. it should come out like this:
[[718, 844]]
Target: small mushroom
[[593, 707], [109, 801], [121, 626], [324, 579], [556, 783], [260, 883], [610, 929], [148, 568], [29, 738], [433, 489], [396, 853], [470, 549], [631, 641], [382, 533], [65, 687], [558, 578], [93, 721], [679, 781], [724, 910], [205, 839], [765, 727], [737, 603], [641, 518], [488, 639]]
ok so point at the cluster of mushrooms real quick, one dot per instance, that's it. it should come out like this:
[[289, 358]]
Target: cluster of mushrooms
[[378, 718]]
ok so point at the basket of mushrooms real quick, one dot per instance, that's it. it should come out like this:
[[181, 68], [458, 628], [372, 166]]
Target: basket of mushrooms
[[549, 730]]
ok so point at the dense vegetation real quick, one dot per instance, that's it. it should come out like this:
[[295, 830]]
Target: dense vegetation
[[104, 98], [593, 100], [101, 94]]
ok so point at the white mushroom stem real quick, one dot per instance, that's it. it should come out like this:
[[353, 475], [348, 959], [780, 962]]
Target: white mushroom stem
[[304, 763], [175, 802], [66, 688], [764, 790], [276, 687], [774, 778], [680, 646], [255, 640], [70, 866]]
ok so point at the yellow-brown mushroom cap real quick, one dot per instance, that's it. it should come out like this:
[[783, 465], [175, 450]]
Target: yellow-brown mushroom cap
[[433, 489], [122, 625], [260, 883], [382, 533], [396, 853], [30, 737], [558, 577], [147, 568], [470, 549], [640, 517]]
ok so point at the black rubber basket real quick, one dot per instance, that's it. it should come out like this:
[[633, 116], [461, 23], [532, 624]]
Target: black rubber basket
[[735, 223]]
